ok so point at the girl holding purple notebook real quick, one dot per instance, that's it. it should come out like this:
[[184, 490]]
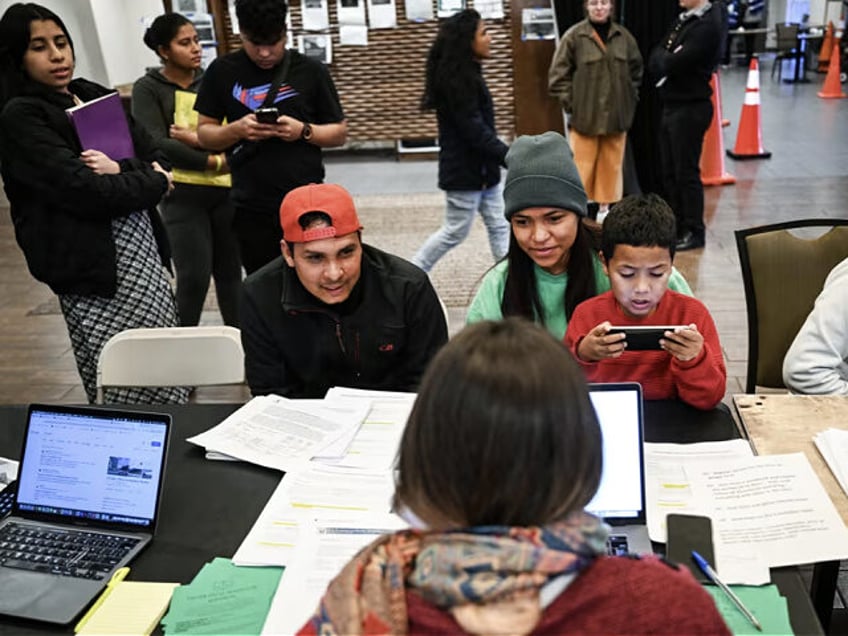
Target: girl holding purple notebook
[[87, 224]]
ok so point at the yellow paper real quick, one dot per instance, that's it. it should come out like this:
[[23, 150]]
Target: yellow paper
[[132, 608], [186, 117]]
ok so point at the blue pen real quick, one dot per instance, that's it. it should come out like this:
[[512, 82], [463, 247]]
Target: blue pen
[[712, 576]]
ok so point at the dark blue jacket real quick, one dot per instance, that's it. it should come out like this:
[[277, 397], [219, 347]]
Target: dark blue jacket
[[471, 155]]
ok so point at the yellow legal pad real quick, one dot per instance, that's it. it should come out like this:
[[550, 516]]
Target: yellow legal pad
[[131, 608]]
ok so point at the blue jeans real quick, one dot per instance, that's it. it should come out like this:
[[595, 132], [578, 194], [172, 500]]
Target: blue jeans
[[459, 215]]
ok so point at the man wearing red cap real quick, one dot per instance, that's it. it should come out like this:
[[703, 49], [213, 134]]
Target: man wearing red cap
[[332, 311]]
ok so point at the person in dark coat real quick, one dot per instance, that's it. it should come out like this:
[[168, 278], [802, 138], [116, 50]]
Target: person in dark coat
[[87, 223], [470, 153]]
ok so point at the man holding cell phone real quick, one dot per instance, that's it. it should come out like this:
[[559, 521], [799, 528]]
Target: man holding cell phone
[[272, 110], [675, 352]]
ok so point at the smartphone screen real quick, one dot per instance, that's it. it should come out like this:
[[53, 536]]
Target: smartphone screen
[[686, 533]]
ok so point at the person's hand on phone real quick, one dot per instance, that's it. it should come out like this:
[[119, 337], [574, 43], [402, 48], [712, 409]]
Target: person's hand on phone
[[598, 344], [99, 163], [289, 128], [168, 175], [683, 343], [252, 129]]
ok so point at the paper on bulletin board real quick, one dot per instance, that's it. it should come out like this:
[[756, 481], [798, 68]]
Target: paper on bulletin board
[[448, 7], [490, 9], [318, 46], [231, 8], [538, 24], [351, 11], [316, 16], [382, 14], [353, 35], [419, 10]]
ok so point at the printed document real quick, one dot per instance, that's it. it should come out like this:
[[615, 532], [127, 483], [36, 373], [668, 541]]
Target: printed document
[[833, 446]]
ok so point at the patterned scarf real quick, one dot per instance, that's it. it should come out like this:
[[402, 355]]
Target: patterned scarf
[[488, 578]]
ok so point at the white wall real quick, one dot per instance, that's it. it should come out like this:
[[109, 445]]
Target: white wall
[[107, 36]]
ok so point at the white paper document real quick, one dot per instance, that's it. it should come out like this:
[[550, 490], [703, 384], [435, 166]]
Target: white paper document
[[350, 12], [8, 471], [316, 16], [353, 35], [382, 14], [332, 491], [419, 10], [772, 507], [833, 446], [324, 550], [668, 487], [278, 433]]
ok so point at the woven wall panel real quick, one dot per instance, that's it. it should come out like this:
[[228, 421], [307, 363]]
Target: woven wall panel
[[380, 85]]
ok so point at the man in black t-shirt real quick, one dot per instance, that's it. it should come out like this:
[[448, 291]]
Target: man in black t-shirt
[[267, 160]]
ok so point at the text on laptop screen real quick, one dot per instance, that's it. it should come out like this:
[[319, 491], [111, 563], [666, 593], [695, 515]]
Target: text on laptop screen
[[103, 468], [620, 492]]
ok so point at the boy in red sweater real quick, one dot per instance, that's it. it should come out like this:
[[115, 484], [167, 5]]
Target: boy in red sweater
[[637, 249]]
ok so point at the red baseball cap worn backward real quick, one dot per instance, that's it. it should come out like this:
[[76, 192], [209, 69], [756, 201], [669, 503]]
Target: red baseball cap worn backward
[[329, 198]]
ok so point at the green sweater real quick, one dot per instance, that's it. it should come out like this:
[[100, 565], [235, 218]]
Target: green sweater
[[487, 302]]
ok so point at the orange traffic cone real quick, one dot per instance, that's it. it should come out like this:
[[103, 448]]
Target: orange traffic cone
[[749, 137], [826, 48], [832, 88], [712, 154]]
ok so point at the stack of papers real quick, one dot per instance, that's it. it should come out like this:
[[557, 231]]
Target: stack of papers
[[8, 471], [222, 599], [765, 603], [129, 607], [833, 446]]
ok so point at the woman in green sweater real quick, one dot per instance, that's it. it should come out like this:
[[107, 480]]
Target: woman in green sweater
[[552, 264]]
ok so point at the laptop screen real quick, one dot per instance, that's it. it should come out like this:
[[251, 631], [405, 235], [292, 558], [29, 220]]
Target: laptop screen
[[93, 466], [619, 411]]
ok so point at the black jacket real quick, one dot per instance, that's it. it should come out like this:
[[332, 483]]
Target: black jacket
[[686, 58], [381, 337], [470, 154], [61, 210]]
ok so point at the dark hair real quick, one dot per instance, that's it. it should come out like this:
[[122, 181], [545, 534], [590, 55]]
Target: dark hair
[[640, 220], [14, 42], [502, 432], [452, 75], [262, 21], [163, 30], [308, 219], [521, 295]]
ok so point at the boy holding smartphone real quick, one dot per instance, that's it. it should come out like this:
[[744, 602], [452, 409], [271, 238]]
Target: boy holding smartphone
[[637, 250]]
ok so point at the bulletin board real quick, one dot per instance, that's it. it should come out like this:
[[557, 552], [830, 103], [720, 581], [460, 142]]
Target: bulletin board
[[380, 85]]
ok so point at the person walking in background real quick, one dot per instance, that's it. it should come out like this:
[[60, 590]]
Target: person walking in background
[[87, 224], [595, 74], [470, 153], [681, 65], [267, 160], [198, 213]]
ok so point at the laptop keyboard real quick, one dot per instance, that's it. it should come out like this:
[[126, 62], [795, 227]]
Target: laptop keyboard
[[86, 555], [617, 545]]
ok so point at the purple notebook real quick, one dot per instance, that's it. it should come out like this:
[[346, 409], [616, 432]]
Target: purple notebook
[[102, 125]]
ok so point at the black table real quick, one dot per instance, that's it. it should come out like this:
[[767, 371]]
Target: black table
[[209, 506]]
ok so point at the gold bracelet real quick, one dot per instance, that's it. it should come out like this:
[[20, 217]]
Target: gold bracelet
[[219, 163]]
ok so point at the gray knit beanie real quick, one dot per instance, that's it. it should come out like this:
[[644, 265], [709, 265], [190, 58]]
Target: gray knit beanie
[[541, 172]]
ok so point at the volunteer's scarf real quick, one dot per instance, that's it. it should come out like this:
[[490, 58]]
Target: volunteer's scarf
[[487, 578]]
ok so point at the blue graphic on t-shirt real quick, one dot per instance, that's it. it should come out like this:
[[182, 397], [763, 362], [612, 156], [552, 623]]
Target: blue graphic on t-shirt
[[254, 97]]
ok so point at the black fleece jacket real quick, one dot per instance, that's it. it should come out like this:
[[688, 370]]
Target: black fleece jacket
[[61, 210]]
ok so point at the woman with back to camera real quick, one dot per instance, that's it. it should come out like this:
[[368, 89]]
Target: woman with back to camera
[[500, 456], [87, 224], [552, 263], [470, 153], [595, 74], [198, 213]]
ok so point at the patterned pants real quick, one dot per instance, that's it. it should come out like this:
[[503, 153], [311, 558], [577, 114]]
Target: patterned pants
[[143, 299]]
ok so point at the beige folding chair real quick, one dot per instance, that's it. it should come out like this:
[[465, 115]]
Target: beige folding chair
[[171, 356], [783, 274]]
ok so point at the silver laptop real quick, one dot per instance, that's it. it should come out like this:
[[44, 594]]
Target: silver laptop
[[89, 486], [620, 500]]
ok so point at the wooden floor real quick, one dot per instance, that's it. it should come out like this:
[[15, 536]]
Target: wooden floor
[[806, 177]]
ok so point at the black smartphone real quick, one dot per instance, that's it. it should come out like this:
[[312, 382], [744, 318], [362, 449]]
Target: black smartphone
[[644, 338], [686, 533], [266, 115]]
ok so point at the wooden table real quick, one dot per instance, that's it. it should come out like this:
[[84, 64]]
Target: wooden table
[[780, 423]]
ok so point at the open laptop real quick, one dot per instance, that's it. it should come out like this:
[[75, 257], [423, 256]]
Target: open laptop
[[89, 486], [620, 499]]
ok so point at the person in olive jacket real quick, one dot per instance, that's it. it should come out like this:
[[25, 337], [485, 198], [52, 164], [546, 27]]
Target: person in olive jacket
[[595, 74], [87, 224]]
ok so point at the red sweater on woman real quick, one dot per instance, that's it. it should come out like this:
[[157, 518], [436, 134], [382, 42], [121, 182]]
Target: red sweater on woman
[[615, 595], [700, 382]]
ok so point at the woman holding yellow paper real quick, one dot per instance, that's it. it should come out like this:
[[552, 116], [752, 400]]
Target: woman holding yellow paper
[[198, 214]]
